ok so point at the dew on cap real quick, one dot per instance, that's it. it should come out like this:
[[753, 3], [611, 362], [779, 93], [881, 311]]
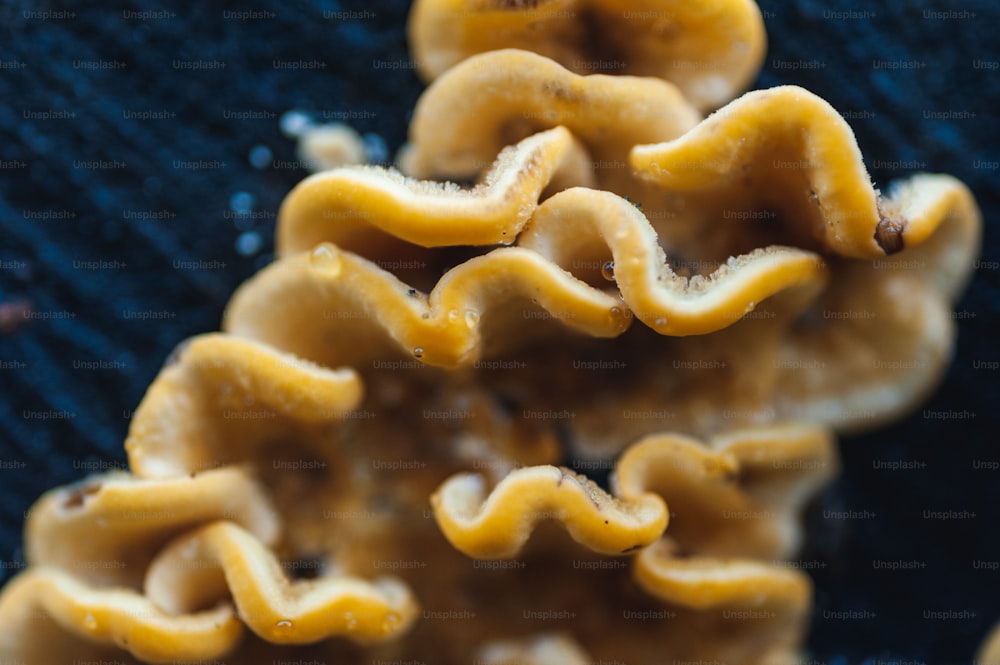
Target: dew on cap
[[619, 317], [471, 318], [325, 259], [608, 270], [390, 622], [418, 352]]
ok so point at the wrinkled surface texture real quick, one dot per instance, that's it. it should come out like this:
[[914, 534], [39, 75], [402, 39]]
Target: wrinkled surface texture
[[59, 419]]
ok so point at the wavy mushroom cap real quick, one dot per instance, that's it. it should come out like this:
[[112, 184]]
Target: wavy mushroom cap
[[710, 50], [495, 99]]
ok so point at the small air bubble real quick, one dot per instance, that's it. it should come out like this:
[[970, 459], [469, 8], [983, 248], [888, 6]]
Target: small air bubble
[[608, 270], [326, 259], [241, 203], [248, 243], [412, 293], [418, 353], [260, 157]]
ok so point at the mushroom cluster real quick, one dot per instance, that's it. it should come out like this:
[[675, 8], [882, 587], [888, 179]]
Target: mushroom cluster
[[568, 410]]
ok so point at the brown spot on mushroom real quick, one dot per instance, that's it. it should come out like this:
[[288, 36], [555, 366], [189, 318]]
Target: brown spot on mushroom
[[518, 4], [889, 234], [559, 91], [76, 497]]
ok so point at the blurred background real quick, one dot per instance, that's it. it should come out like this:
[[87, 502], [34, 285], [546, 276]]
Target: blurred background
[[142, 163]]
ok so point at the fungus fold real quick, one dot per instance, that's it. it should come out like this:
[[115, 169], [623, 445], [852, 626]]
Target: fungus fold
[[383, 456]]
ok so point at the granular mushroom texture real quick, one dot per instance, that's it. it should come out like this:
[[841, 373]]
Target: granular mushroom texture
[[125, 520], [710, 50], [208, 588], [350, 205], [367, 463]]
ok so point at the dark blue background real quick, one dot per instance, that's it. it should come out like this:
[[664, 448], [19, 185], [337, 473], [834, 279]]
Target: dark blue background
[[42, 171]]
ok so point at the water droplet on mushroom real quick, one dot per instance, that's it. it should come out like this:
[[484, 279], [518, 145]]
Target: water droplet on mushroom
[[608, 270], [325, 259], [660, 322], [390, 622], [90, 622], [284, 627], [453, 315], [471, 318], [418, 352], [350, 620], [619, 317]]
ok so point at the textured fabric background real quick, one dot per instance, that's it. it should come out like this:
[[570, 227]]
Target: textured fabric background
[[71, 86]]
